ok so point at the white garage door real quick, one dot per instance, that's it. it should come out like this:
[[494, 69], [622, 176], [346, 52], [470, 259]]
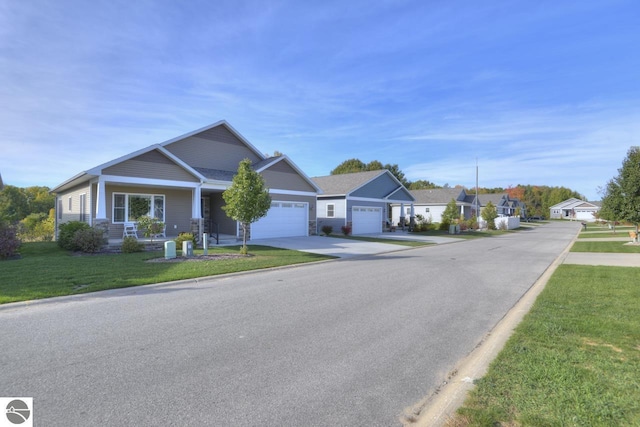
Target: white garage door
[[366, 220], [284, 219]]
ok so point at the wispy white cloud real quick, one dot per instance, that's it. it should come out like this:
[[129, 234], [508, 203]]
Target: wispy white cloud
[[426, 85]]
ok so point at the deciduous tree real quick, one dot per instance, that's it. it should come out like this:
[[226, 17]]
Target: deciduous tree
[[247, 199], [489, 214], [622, 197]]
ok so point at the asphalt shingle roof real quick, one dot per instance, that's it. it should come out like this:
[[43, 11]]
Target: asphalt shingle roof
[[436, 195], [343, 184]]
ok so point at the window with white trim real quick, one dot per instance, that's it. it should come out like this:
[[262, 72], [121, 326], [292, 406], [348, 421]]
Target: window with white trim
[[83, 202], [129, 207], [331, 210]]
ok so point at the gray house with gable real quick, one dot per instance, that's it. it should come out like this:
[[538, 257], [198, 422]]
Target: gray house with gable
[[360, 200]]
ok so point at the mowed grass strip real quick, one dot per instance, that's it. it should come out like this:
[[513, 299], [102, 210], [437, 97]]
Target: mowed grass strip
[[45, 270], [606, 247], [573, 361]]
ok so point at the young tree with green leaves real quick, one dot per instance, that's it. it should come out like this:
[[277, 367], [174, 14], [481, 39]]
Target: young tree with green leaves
[[450, 214], [489, 214], [622, 195], [247, 199]]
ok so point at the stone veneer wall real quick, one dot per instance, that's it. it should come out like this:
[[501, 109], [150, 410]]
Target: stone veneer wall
[[197, 228], [102, 224]]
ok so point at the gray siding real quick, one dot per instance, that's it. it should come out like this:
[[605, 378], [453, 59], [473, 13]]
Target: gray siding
[[151, 165], [177, 208], [403, 195], [64, 214], [378, 188], [215, 148], [226, 225], [283, 176]]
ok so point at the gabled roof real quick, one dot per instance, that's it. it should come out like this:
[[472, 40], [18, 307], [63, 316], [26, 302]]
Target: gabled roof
[[97, 170], [573, 203], [346, 183], [203, 174], [211, 126], [438, 196], [269, 162], [496, 199]]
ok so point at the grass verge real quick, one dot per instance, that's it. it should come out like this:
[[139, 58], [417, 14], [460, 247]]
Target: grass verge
[[45, 270], [574, 359], [606, 247]]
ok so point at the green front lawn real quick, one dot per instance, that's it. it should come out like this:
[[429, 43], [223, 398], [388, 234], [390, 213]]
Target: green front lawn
[[573, 361], [607, 247], [45, 270]]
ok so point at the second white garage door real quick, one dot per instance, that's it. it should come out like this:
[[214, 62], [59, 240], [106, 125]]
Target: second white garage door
[[284, 219], [366, 220]]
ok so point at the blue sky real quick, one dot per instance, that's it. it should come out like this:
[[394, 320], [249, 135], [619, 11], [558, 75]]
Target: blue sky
[[539, 92]]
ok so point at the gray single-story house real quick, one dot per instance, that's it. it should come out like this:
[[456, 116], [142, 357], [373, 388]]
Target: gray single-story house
[[360, 200], [574, 209], [181, 182]]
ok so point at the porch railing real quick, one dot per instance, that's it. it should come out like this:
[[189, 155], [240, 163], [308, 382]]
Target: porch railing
[[214, 230]]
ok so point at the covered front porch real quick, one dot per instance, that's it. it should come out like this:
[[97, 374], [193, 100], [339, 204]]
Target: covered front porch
[[182, 207]]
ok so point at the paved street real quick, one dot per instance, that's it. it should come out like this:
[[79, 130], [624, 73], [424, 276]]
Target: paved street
[[344, 343]]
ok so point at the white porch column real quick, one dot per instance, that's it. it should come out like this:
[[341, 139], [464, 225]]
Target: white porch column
[[101, 200], [196, 209]]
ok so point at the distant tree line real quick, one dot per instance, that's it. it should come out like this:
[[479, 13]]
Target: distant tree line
[[538, 198]]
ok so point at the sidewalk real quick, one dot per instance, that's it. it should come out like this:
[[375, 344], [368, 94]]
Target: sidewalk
[[607, 259]]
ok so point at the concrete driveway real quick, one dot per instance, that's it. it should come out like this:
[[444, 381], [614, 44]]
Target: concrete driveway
[[348, 248]]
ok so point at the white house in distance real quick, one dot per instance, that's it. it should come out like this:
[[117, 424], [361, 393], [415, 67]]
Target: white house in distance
[[574, 209], [431, 204]]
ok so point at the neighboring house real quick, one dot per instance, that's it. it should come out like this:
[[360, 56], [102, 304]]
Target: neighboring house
[[359, 200], [505, 205], [432, 203], [181, 182], [573, 208]]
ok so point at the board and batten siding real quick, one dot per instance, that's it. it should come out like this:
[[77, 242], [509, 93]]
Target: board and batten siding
[[177, 205], [151, 165], [282, 175], [380, 187], [215, 148]]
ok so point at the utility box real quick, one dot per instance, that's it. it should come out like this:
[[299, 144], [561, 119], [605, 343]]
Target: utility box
[[187, 248], [169, 249]]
